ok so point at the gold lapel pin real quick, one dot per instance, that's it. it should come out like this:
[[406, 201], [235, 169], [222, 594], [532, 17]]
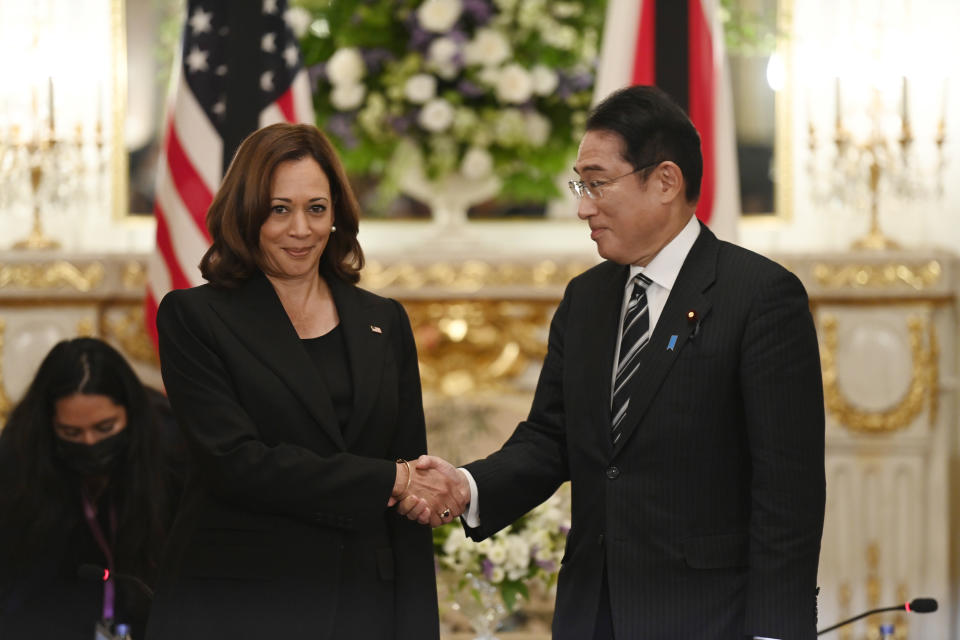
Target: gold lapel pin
[[375, 329]]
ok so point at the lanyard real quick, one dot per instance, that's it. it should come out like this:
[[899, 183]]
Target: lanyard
[[90, 513]]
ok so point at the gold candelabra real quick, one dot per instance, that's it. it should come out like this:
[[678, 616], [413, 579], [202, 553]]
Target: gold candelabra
[[872, 161], [47, 167]]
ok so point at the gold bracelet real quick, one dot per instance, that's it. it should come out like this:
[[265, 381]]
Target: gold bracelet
[[409, 477]]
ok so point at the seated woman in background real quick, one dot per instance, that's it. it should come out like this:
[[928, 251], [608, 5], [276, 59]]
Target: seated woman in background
[[83, 481]]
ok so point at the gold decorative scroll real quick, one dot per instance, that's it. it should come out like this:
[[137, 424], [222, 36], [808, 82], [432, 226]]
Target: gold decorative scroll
[[129, 332], [51, 275], [85, 328], [134, 276], [844, 597], [467, 346], [916, 276], [922, 382], [470, 275], [5, 404]]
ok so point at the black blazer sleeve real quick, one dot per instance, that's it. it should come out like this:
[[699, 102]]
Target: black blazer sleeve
[[284, 478], [783, 403], [532, 463], [417, 608]]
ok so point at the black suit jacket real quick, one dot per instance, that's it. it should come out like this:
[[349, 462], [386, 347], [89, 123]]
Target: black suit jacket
[[284, 529], [708, 512]]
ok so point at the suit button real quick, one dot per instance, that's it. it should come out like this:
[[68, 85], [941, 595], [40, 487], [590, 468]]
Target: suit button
[[613, 472]]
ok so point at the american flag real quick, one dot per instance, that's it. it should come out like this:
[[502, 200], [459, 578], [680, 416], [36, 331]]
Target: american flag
[[239, 70]]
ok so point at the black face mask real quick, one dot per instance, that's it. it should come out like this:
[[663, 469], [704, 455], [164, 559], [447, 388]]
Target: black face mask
[[92, 459]]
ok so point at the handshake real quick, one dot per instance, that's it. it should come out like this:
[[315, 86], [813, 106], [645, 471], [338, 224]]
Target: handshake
[[430, 490]]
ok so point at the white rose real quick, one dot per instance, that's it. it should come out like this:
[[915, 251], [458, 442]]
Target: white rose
[[518, 552], [420, 87], [538, 128], [497, 575], [346, 97], [345, 66], [442, 50], [566, 9], [440, 57], [510, 127], [436, 115], [497, 553], [477, 163], [439, 16], [489, 47], [561, 36], [514, 85], [489, 76], [454, 541], [298, 19], [544, 80]]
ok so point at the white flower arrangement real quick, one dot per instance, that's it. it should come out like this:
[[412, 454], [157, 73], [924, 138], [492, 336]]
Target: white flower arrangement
[[529, 550], [475, 87]]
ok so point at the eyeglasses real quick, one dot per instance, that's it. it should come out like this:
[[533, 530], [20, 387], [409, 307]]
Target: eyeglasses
[[594, 190]]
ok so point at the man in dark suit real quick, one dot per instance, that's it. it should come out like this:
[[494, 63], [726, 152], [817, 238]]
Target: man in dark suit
[[681, 396]]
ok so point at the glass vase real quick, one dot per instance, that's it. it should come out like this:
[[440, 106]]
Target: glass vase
[[479, 601]]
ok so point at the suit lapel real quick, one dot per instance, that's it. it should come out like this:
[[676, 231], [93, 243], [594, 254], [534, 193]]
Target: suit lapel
[[365, 327], [600, 342], [673, 328], [254, 313]]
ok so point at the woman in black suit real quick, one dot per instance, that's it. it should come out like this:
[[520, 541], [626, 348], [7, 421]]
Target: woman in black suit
[[300, 396]]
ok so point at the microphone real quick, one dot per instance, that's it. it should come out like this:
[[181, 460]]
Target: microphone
[[102, 574], [917, 605]]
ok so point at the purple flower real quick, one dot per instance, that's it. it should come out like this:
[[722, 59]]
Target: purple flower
[[316, 73], [400, 124], [469, 89], [374, 59], [420, 38], [458, 36], [564, 529], [581, 81], [341, 126], [487, 569], [479, 10], [547, 565]]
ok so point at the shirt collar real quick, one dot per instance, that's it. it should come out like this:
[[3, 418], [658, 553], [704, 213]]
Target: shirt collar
[[665, 266]]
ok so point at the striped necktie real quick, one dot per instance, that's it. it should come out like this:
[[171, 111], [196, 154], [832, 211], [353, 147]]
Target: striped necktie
[[633, 337]]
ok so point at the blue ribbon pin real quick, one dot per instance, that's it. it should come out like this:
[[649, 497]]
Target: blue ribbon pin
[[673, 343]]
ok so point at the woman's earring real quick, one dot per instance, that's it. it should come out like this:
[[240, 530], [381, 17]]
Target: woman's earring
[[333, 228]]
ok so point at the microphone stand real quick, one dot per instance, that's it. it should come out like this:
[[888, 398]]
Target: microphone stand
[[862, 615]]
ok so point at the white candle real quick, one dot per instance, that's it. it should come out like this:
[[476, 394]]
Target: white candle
[[904, 102], [50, 102], [836, 91]]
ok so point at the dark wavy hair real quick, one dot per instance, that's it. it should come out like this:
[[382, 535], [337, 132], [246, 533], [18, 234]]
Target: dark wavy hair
[[242, 204], [40, 497], [653, 128]]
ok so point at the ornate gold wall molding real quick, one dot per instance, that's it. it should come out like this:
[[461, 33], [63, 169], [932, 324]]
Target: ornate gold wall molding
[[128, 331], [134, 276], [51, 275], [922, 385], [475, 345], [469, 275], [918, 277], [85, 328], [5, 404]]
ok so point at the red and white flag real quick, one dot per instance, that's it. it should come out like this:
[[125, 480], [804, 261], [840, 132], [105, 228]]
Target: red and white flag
[[239, 70], [677, 45]]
